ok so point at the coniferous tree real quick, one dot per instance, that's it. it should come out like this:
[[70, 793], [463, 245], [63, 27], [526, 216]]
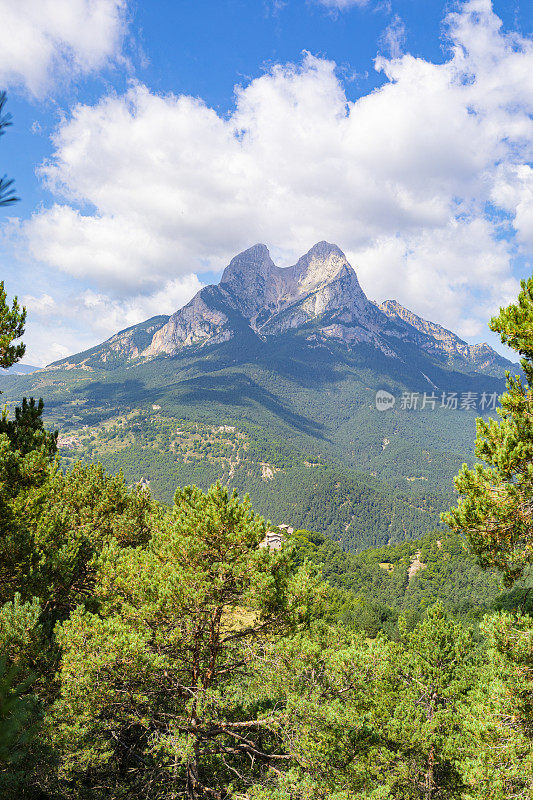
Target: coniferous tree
[[26, 432], [495, 513], [153, 685], [430, 673], [371, 719], [501, 761], [495, 509], [12, 321], [18, 717]]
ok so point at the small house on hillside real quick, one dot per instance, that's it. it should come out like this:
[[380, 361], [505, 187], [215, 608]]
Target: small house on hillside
[[273, 540], [287, 528]]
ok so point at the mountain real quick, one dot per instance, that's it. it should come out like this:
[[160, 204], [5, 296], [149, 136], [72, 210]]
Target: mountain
[[319, 296], [436, 339], [21, 369], [268, 382], [121, 347]]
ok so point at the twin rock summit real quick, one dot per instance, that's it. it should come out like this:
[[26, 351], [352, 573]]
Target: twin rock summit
[[319, 299]]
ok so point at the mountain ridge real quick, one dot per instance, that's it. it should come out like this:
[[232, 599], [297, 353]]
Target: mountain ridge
[[480, 354], [319, 297]]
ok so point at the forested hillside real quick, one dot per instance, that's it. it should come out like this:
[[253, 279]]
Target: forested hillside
[[309, 444], [384, 583], [268, 382], [266, 509]]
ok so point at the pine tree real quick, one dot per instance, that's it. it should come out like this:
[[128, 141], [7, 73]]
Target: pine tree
[[371, 719], [53, 525], [153, 699], [495, 508], [12, 321], [26, 432], [502, 706], [429, 676], [18, 716], [495, 513]]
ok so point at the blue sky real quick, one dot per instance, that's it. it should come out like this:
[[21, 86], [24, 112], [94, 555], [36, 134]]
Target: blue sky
[[400, 130]]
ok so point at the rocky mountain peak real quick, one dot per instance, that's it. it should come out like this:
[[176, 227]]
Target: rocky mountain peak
[[250, 279], [439, 339], [393, 309], [322, 264], [251, 263], [262, 290]]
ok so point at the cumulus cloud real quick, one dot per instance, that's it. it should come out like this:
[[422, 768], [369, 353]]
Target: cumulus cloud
[[513, 192], [72, 321], [45, 41], [410, 179], [44, 305], [438, 268], [112, 314]]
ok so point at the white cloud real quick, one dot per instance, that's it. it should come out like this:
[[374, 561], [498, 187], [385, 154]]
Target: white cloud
[[393, 37], [108, 314], [401, 178], [438, 269], [46, 41], [342, 5], [41, 306], [513, 192], [72, 322]]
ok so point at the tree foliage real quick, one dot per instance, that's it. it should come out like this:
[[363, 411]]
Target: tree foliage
[[7, 194], [163, 653], [151, 690], [12, 319], [496, 497]]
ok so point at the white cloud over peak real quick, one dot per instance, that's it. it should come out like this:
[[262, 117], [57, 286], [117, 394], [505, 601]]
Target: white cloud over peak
[[415, 180], [113, 314], [49, 41]]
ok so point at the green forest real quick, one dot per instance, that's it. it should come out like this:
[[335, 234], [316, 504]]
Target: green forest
[[157, 650], [355, 508]]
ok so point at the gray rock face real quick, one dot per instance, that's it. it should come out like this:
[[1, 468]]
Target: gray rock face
[[321, 283], [270, 300], [435, 339], [438, 337], [255, 283], [200, 321]]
